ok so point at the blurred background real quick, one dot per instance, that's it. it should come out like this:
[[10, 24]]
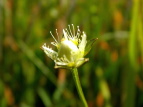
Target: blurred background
[[112, 78]]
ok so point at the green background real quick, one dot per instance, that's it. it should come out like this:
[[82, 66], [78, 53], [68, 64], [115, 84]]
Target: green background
[[113, 77]]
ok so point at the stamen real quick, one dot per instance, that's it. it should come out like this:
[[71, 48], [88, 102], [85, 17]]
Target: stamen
[[65, 34], [79, 40], [78, 32], [83, 32], [54, 43], [53, 37], [57, 35], [44, 45], [70, 31], [73, 30]]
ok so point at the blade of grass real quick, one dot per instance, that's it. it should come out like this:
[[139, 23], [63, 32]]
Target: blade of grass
[[61, 83], [45, 97], [140, 37], [131, 75], [30, 54], [1, 27], [133, 33]]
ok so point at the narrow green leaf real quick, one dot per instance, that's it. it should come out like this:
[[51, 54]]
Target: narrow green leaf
[[89, 46], [45, 97]]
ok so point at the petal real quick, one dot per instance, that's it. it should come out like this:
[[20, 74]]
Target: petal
[[81, 61], [61, 63], [67, 65], [82, 43], [67, 48], [49, 52]]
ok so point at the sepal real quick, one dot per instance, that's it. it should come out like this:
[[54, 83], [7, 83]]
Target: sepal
[[89, 45]]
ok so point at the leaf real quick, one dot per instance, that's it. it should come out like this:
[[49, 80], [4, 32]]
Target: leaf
[[44, 97], [89, 46]]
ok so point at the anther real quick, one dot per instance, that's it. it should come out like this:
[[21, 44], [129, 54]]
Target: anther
[[57, 34], [44, 45], [53, 37], [70, 31], [73, 29]]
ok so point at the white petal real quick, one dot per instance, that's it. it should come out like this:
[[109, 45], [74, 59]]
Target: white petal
[[83, 42], [49, 52], [61, 63], [71, 45], [69, 49], [81, 61]]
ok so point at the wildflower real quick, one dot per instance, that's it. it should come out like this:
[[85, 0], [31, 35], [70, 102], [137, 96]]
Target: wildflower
[[70, 50]]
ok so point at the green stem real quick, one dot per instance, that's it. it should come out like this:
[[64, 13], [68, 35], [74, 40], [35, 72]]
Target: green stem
[[78, 86]]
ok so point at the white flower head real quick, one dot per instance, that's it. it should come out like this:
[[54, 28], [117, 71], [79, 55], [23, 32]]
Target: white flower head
[[71, 49]]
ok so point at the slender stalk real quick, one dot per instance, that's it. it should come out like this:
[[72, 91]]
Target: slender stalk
[[130, 88], [78, 86]]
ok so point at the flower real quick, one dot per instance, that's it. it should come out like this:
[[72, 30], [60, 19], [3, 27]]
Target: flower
[[70, 50]]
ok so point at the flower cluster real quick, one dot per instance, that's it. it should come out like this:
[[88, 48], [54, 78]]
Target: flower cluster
[[70, 50]]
